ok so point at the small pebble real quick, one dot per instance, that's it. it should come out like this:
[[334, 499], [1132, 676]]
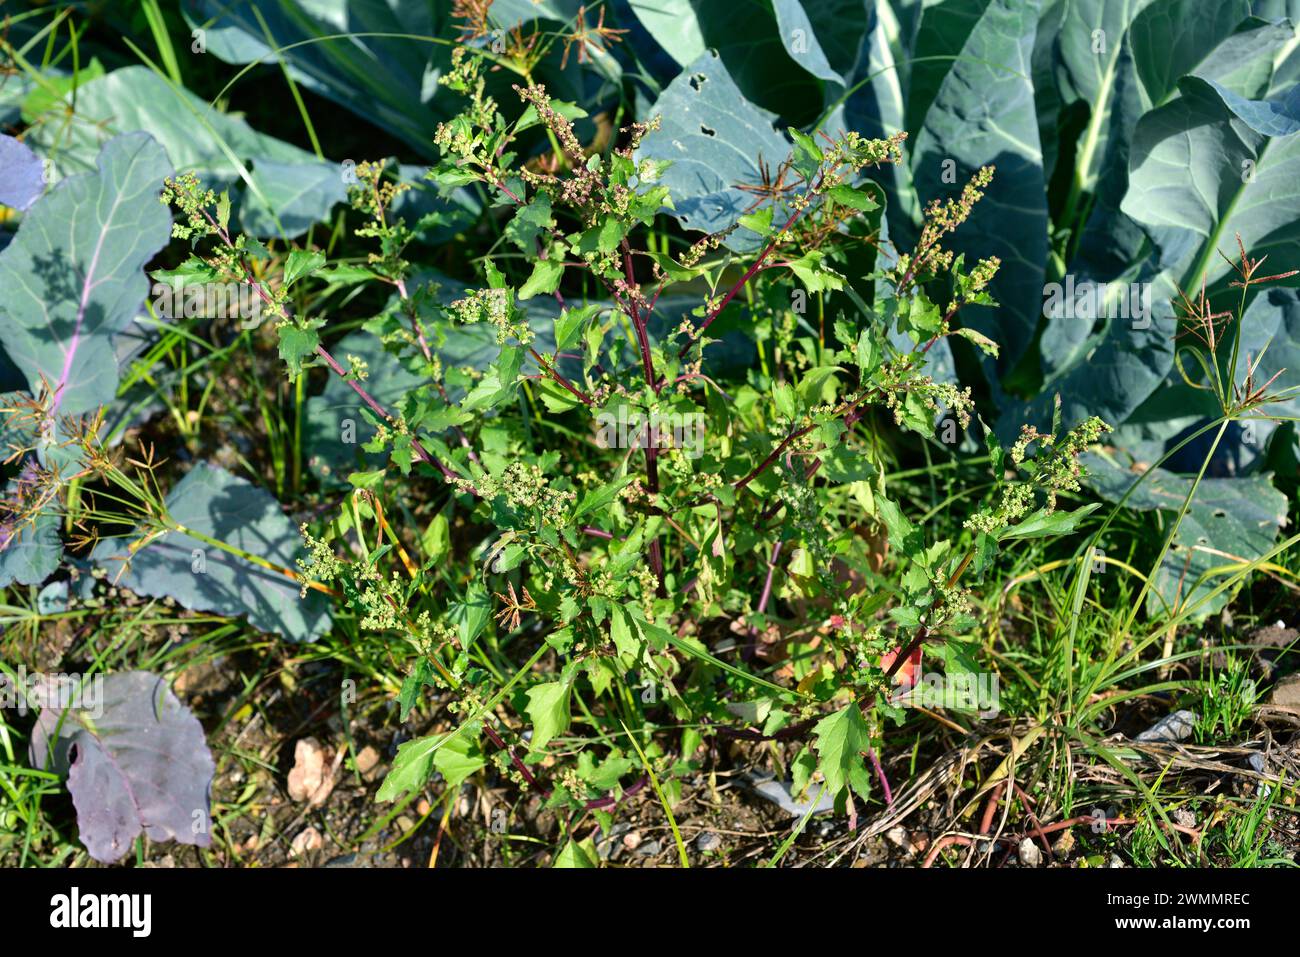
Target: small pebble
[[308, 839], [707, 842], [1029, 853], [309, 779], [1177, 726], [367, 758]]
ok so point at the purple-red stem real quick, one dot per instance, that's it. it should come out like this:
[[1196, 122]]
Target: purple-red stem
[[880, 775], [333, 363], [749, 274], [379, 410], [767, 584], [655, 550]]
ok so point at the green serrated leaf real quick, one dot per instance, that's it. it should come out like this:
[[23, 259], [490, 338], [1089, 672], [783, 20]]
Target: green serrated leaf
[[840, 740], [458, 759], [296, 345], [548, 709], [578, 854], [853, 198], [1042, 523], [569, 324], [545, 278], [301, 264]]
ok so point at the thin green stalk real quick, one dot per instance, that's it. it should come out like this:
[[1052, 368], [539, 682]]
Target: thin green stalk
[[1169, 539], [659, 793], [798, 829], [293, 86], [162, 39]]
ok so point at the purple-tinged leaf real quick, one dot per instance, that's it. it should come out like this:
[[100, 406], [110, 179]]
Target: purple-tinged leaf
[[73, 277], [22, 174], [136, 762]]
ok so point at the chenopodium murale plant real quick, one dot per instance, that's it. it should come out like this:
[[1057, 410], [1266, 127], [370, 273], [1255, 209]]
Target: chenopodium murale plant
[[636, 504]]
